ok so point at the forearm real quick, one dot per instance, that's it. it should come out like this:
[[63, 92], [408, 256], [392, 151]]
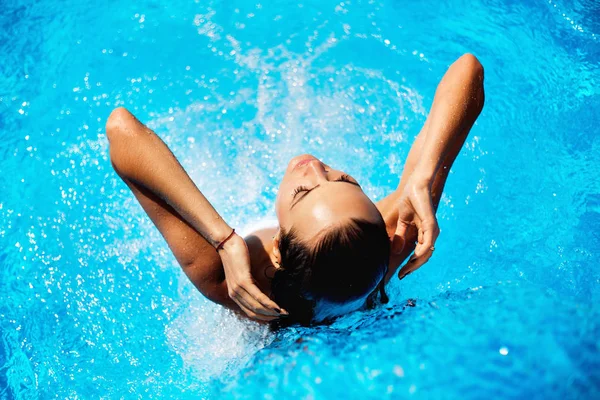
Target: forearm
[[457, 103], [142, 157]]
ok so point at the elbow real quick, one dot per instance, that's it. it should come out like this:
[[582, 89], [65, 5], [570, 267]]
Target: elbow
[[117, 125], [473, 71], [471, 65], [118, 132]]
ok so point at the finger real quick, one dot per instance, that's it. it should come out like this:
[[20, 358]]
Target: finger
[[408, 268], [422, 248], [398, 239], [405, 215], [412, 265], [424, 257], [244, 298], [404, 271], [429, 233], [401, 228], [423, 251], [419, 226], [398, 243], [251, 314], [426, 223], [265, 303]]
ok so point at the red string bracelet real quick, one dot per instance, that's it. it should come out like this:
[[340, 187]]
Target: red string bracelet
[[220, 246]]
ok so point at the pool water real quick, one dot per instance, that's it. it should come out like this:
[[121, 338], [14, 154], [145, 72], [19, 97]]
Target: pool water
[[93, 304]]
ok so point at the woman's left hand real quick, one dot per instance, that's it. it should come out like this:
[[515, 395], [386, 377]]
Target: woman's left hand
[[415, 207], [241, 286]]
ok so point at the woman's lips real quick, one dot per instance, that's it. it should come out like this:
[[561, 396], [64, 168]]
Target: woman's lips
[[303, 161]]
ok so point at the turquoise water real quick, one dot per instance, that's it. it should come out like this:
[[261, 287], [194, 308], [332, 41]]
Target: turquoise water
[[92, 303]]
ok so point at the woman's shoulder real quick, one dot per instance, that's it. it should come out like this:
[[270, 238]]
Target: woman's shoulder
[[253, 227], [389, 211]]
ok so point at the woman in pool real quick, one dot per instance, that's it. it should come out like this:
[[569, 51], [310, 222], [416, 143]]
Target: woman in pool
[[333, 246]]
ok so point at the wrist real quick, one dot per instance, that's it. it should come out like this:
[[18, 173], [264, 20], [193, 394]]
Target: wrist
[[229, 243], [422, 177], [220, 237]]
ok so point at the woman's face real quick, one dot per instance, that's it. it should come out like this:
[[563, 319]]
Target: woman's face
[[313, 197]]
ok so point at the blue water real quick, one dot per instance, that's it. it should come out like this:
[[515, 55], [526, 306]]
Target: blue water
[[93, 304]]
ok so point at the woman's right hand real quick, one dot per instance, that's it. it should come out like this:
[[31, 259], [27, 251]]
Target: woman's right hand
[[415, 207], [241, 286]]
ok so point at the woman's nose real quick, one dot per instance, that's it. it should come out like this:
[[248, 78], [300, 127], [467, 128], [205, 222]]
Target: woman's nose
[[318, 169]]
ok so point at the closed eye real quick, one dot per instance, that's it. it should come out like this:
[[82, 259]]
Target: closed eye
[[346, 178], [300, 189]]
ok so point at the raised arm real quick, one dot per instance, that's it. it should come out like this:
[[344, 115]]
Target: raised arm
[[457, 103], [410, 210], [141, 157], [185, 218]]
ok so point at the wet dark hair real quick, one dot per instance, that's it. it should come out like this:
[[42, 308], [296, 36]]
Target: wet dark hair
[[346, 264]]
